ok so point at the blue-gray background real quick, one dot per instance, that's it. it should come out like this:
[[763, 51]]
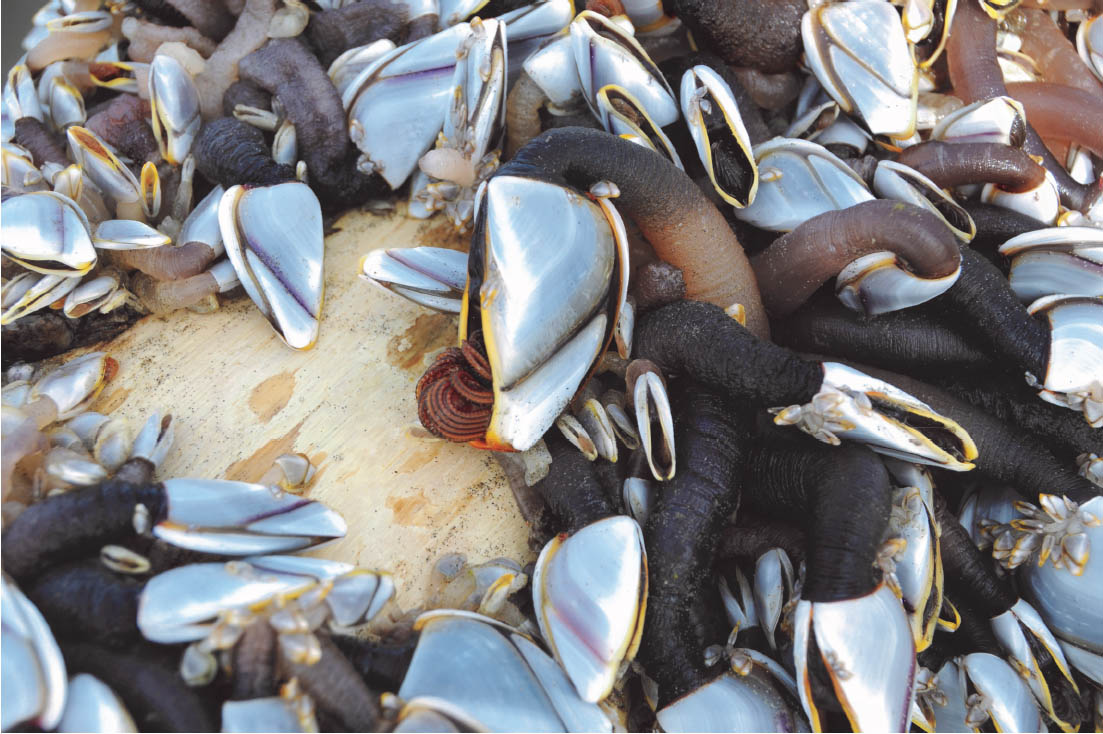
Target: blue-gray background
[[15, 19]]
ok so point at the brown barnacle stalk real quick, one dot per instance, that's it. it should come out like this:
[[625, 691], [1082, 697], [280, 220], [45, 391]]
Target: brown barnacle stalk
[[959, 164], [975, 75], [124, 123], [1062, 113], [1054, 54], [454, 396]]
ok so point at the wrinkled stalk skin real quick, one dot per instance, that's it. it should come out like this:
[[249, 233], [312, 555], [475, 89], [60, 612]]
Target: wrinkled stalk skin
[[969, 574], [1006, 453], [899, 340], [124, 122], [44, 147], [791, 269], [287, 69], [228, 151], [87, 601], [572, 489], [164, 12], [753, 534], [336, 688], [844, 495], [146, 678], [982, 305], [960, 164], [762, 35], [974, 634], [679, 221], [382, 665], [1013, 402], [255, 663], [975, 75], [73, 525], [332, 32], [997, 224], [246, 94], [700, 341], [681, 537]]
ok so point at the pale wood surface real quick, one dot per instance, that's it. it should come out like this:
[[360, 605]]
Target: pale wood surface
[[241, 398]]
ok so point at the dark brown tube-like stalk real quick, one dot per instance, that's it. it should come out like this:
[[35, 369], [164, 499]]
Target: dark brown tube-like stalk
[[757, 33], [1054, 54], [1005, 452], [969, 575], [682, 535], [997, 224], [336, 688], [228, 151], [901, 340], [332, 32], [125, 124], [769, 91], [843, 495], [245, 93], [959, 164], [210, 17], [796, 264], [74, 525], [85, 600], [168, 262], [523, 107], [287, 69], [147, 682], [1062, 113], [255, 663], [682, 225], [249, 33], [975, 74], [44, 147], [571, 489]]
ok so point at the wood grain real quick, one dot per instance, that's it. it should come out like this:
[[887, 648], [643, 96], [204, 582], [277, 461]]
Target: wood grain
[[241, 398]]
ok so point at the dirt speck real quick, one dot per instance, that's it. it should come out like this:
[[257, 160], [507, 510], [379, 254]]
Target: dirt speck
[[429, 332], [271, 395]]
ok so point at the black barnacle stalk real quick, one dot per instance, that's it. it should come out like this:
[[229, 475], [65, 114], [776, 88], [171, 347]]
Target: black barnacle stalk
[[75, 525], [146, 679], [982, 305], [572, 490], [702, 342], [1010, 399], [381, 664], [332, 32], [762, 35], [287, 69], [898, 340], [682, 535], [255, 662], [87, 601], [843, 495], [997, 224], [228, 151], [1005, 453]]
